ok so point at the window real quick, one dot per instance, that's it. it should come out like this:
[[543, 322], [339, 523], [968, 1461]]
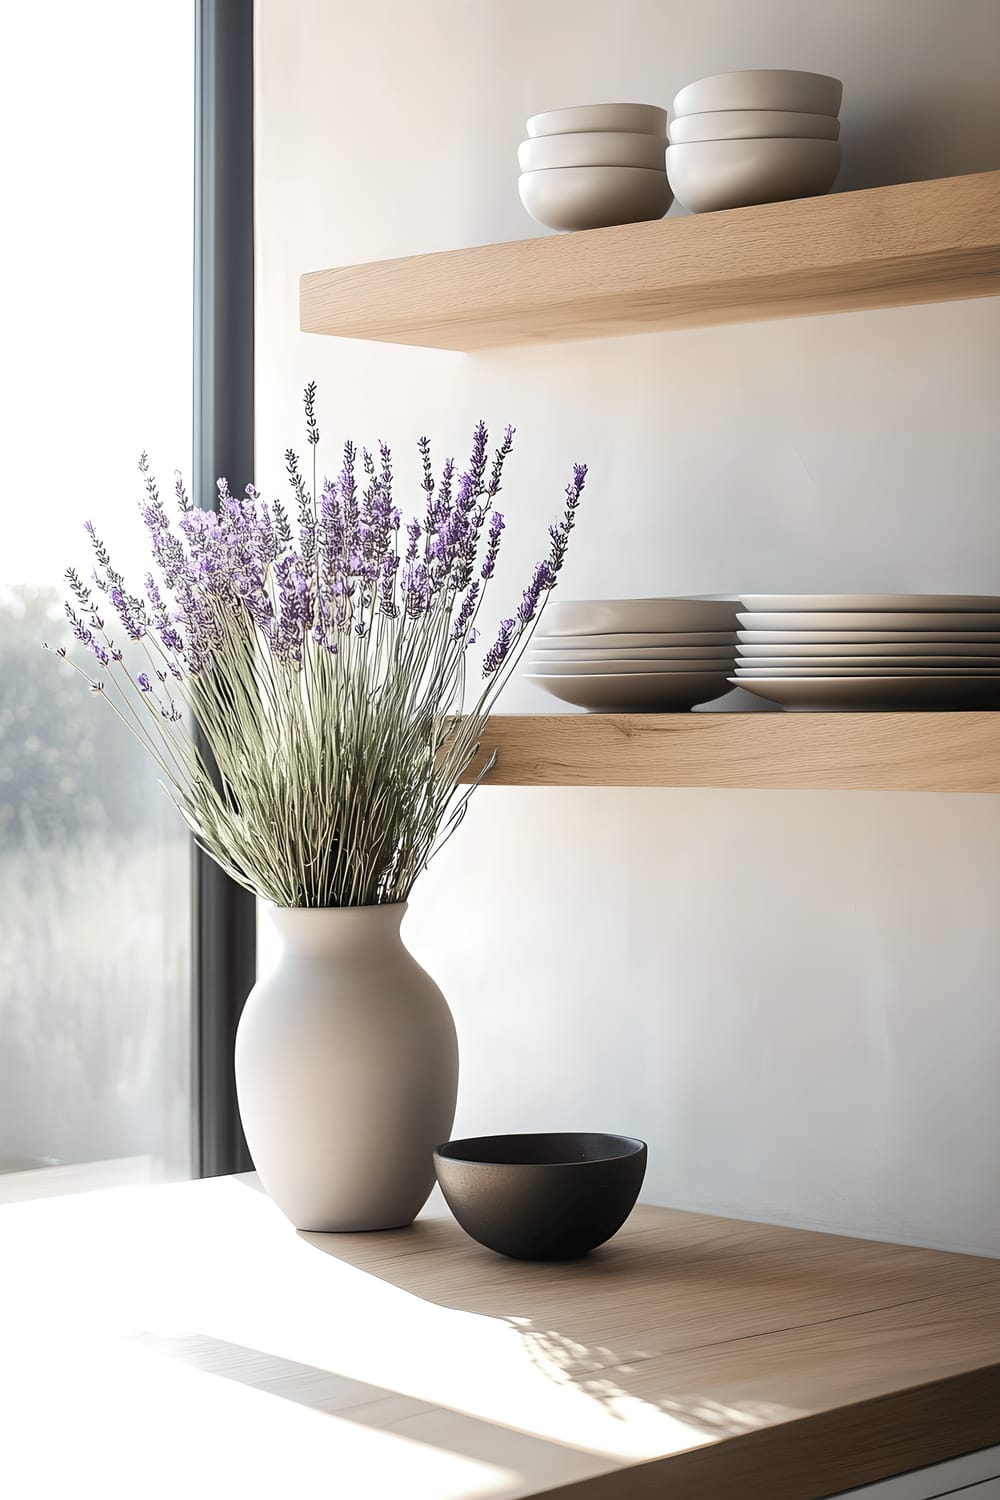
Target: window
[[97, 109]]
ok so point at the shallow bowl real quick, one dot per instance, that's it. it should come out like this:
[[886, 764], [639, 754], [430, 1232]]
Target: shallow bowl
[[711, 175], [753, 124], [633, 692], [761, 88], [569, 198], [604, 666], [621, 640], [642, 119], [541, 1197], [668, 656], [592, 148]]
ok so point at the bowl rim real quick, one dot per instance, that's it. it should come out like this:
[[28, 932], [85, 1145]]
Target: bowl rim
[[446, 1151], [756, 73], [796, 142], [611, 135], [578, 109], [759, 109]]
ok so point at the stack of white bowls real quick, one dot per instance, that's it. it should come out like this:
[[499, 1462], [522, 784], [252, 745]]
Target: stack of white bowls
[[871, 651], [754, 137], [595, 165], [635, 655]]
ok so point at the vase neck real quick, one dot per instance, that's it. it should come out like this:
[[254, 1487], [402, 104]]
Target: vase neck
[[331, 930]]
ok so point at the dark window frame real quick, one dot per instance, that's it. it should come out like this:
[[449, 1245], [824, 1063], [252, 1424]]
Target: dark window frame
[[224, 915]]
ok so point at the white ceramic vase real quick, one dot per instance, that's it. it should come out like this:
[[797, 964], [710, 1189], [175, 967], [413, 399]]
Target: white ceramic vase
[[346, 1071]]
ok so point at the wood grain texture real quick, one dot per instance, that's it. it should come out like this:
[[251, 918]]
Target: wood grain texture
[[915, 752], [882, 247], [185, 1340]]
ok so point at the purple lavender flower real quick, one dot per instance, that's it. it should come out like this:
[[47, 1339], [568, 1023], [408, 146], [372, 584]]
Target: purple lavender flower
[[181, 494], [427, 482], [307, 511], [294, 610], [166, 631], [499, 459], [497, 654], [439, 506], [493, 549], [542, 579], [560, 530], [131, 612], [244, 572], [477, 462], [418, 595], [85, 635], [349, 497], [312, 426], [463, 619], [387, 586]]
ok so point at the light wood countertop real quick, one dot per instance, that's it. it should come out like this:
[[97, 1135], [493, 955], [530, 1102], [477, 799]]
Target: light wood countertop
[[184, 1341]]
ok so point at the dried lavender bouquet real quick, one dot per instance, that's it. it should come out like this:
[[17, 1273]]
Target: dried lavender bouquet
[[325, 663]]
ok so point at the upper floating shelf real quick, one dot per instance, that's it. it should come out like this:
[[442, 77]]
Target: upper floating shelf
[[904, 752], [883, 247]]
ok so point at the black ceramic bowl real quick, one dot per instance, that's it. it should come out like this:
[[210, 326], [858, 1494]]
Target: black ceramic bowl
[[541, 1197]]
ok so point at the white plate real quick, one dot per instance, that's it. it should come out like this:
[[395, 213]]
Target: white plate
[[647, 693], [866, 638], [797, 669], [594, 667], [669, 655], [608, 616], [888, 666], [619, 640], [874, 693], [866, 620], [862, 649], [892, 602]]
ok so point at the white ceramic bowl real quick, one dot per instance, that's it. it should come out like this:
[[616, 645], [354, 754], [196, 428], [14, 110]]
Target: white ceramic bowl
[[643, 119], [761, 88], [589, 617], [753, 124], [592, 148], [709, 175], [594, 197]]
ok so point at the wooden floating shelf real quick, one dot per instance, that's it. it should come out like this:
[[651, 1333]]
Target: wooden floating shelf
[[882, 247], [906, 752]]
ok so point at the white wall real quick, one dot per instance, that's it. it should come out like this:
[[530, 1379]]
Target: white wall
[[792, 996]]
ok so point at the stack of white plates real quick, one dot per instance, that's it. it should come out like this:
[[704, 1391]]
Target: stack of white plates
[[871, 651], [635, 655]]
